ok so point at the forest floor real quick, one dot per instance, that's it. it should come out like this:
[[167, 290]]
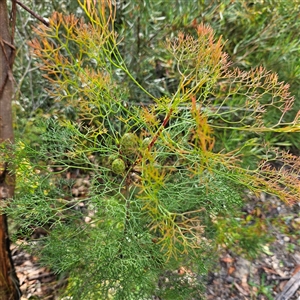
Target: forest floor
[[275, 274]]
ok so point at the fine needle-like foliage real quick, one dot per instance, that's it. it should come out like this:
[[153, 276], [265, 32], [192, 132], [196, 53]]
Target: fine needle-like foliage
[[157, 180]]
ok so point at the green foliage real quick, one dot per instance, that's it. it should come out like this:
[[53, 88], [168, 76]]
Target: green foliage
[[165, 209], [264, 33], [257, 33], [263, 288], [240, 235]]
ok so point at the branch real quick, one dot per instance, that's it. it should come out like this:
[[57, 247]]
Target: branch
[[162, 126], [41, 19]]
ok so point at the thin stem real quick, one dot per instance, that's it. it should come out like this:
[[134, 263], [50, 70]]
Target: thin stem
[[41, 19]]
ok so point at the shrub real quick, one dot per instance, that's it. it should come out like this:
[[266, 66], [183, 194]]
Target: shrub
[[157, 177]]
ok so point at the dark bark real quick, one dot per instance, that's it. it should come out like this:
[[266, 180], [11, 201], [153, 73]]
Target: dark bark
[[9, 289]]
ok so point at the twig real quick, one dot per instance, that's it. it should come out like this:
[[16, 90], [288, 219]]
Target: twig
[[162, 126], [41, 19], [180, 108], [290, 288], [40, 276]]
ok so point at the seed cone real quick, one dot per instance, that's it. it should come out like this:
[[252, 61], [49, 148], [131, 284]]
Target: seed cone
[[129, 144], [146, 142], [118, 166]]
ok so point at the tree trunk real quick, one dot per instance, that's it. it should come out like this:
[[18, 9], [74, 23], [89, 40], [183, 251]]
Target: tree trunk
[[9, 287]]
